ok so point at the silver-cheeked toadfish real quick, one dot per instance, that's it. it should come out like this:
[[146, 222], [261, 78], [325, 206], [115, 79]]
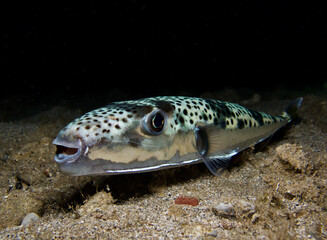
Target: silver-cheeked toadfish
[[162, 132]]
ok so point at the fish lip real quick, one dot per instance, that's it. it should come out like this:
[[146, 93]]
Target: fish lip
[[68, 151]]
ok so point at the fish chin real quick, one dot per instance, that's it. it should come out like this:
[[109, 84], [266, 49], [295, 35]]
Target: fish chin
[[73, 168]]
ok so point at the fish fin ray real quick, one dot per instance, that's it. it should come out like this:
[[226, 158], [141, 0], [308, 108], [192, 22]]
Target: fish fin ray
[[213, 141], [209, 143], [217, 165]]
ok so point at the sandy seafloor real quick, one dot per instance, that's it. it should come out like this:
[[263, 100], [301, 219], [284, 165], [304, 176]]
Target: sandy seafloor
[[276, 190]]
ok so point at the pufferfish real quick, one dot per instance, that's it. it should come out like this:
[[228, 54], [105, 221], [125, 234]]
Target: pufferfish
[[162, 132]]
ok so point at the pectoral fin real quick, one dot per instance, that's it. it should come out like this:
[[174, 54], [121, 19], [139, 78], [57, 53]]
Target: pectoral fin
[[216, 165], [211, 146]]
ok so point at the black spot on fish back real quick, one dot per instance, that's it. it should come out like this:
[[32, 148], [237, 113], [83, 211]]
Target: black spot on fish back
[[164, 105], [211, 102], [222, 124], [240, 123], [181, 120], [215, 121], [257, 116], [224, 109]]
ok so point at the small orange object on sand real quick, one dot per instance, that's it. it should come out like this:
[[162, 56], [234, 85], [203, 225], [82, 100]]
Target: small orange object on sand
[[187, 200]]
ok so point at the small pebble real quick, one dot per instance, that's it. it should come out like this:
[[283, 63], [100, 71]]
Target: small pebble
[[47, 173], [31, 217]]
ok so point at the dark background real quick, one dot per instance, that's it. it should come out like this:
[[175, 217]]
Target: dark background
[[52, 51]]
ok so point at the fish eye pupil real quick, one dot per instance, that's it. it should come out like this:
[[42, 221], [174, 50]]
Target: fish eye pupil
[[158, 121], [154, 123]]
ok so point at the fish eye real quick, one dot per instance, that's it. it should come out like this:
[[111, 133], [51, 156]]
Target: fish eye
[[154, 123]]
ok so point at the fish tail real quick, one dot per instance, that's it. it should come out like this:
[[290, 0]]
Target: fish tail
[[291, 111]]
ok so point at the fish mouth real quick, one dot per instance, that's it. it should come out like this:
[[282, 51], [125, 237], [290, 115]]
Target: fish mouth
[[68, 151]]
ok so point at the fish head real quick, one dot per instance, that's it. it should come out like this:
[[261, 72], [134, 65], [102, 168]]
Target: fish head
[[120, 138]]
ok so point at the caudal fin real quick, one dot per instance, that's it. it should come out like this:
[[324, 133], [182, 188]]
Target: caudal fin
[[294, 107]]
